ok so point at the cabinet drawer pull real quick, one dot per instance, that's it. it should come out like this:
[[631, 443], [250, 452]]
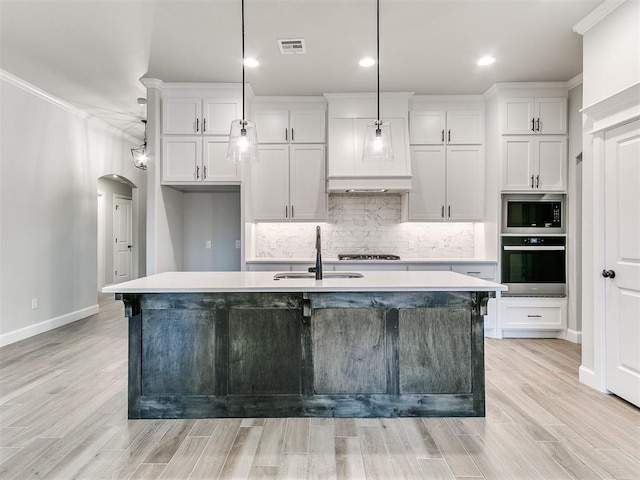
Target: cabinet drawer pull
[[533, 124], [473, 273], [534, 316], [197, 124]]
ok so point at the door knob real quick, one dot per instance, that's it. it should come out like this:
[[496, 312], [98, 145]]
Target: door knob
[[608, 274]]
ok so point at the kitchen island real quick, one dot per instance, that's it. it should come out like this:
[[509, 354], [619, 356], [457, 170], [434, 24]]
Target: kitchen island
[[244, 344]]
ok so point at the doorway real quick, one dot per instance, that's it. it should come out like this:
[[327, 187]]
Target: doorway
[[116, 231]]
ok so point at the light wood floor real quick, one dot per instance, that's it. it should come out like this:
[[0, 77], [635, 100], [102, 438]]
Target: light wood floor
[[63, 415]]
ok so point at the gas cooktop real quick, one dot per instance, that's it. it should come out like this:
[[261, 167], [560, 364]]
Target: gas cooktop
[[367, 256]]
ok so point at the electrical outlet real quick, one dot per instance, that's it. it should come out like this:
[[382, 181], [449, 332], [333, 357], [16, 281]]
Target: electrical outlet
[[208, 244], [34, 303], [273, 245], [411, 246], [238, 244]]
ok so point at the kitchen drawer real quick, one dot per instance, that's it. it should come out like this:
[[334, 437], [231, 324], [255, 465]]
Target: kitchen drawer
[[483, 271], [429, 267], [529, 313], [370, 267], [269, 267]]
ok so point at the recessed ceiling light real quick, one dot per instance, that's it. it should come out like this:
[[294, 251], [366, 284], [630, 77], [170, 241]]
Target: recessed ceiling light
[[488, 60], [367, 62], [251, 62]]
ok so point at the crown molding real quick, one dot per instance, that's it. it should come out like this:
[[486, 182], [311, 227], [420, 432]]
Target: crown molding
[[596, 16], [575, 81], [621, 107], [47, 97]]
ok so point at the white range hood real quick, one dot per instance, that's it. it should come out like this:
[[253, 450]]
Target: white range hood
[[348, 115]]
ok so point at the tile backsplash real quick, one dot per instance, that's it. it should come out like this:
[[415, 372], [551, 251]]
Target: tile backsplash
[[368, 223]]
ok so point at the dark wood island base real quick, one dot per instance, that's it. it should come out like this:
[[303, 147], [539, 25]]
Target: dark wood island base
[[320, 354]]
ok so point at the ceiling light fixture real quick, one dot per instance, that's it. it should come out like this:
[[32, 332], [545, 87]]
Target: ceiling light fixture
[[377, 139], [487, 60], [243, 139], [139, 153], [367, 62]]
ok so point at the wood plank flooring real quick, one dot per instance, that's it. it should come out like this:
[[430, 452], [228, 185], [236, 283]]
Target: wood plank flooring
[[63, 416]]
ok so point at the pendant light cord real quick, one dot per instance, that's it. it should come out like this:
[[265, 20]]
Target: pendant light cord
[[243, 118], [377, 53]]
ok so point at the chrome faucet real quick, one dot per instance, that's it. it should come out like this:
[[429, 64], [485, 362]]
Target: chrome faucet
[[318, 268]]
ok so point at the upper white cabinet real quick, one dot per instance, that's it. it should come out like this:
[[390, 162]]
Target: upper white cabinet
[[194, 116], [297, 125], [534, 163], [189, 158], [447, 184], [289, 183], [455, 127], [531, 116]]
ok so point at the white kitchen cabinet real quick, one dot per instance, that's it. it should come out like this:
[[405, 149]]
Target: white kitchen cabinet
[[532, 314], [290, 125], [189, 158], [534, 163], [289, 183], [447, 183], [446, 127], [198, 116], [532, 116]]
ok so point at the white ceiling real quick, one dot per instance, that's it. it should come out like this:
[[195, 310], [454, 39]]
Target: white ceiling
[[92, 53]]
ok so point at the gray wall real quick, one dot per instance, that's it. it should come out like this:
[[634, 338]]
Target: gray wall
[[51, 156], [215, 217]]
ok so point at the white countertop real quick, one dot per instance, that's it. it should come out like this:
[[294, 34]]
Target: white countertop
[[347, 262], [373, 281]]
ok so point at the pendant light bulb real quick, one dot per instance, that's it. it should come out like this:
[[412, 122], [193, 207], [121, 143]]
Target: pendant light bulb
[[378, 146], [243, 139]]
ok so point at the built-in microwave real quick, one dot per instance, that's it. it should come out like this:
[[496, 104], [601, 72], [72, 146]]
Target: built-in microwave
[[533, 214]]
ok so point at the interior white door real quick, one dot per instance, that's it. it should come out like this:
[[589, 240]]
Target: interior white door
[[123, 239], [622, 261]]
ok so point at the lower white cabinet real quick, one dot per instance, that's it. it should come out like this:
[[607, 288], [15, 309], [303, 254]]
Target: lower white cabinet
[[447, 183], [190, 159], [289, 183], [533, 313]]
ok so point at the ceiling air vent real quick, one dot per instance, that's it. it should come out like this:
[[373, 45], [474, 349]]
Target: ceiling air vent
[[292, 46]]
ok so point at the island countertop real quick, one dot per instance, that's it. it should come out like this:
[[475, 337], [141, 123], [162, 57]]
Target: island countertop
[[372, 281]]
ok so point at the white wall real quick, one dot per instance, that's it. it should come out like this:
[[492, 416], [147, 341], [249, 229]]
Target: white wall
[[51, 156], [611, 61], [611, 53]]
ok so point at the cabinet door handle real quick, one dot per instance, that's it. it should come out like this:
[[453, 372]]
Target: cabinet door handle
[[533, 124], [449, 211], [198, 172], [286, 211], [286, 134], [537, 181], [204, 172], [531, 181], [292, 137], [538, 124], [204, 125], [292, 213], [534, 316], [449, 136], [442, 205], [443, 138], [197, 124]]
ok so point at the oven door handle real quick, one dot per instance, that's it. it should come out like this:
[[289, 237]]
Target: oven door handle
[[515, 248]]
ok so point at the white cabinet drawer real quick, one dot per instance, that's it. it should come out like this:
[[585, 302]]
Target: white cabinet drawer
[[533, 314], [485, 272]]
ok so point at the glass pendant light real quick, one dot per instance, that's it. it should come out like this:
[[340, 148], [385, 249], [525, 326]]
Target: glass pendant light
[[139, 153], [243, 139], [377, 140]]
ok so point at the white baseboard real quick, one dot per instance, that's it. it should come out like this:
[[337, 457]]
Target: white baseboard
[[589, 378], [32, 330], [532, 333], [574, 336]]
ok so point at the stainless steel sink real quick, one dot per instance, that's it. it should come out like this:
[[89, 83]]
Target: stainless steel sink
[[327, 275]]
